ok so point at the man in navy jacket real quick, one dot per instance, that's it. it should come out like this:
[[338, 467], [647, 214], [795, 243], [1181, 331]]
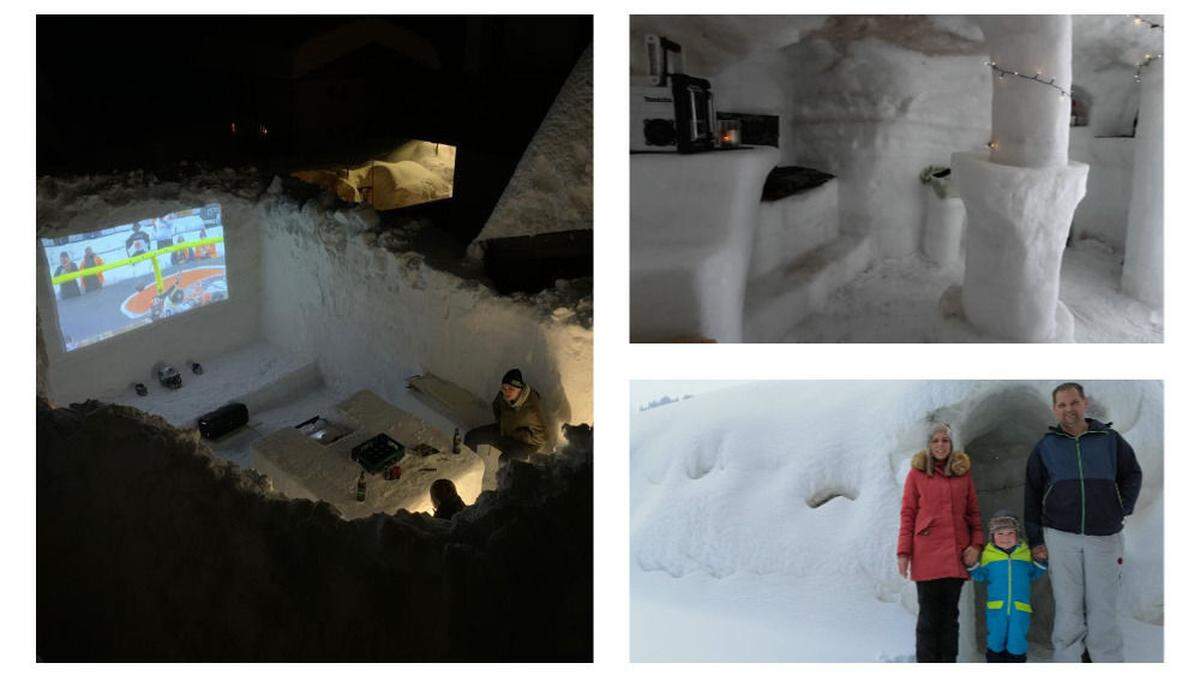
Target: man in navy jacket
[[1081, 481]]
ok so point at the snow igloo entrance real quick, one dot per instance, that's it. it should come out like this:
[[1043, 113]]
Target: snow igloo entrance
[[998, 433]]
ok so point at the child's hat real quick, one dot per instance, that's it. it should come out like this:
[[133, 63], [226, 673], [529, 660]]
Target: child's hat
[[1004, 520]]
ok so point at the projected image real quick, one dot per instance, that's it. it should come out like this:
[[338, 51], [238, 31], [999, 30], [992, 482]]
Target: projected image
[[415, 173], [113, 280]]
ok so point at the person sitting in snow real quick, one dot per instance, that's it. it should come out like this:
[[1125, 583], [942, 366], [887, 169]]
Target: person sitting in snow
[[941, 533], [1009, 570], [446, 501], [519, 430]]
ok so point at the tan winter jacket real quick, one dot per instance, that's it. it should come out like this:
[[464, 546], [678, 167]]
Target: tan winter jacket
[[522, 420]]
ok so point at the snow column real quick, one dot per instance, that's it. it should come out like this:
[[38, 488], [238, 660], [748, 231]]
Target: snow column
[[1143, 274], [1021, 196]]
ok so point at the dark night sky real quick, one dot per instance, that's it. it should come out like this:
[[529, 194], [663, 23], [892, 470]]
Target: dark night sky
[[119, 92]]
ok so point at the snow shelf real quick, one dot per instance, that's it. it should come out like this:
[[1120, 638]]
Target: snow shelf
[[692, 229], [258, 375], [744, 495]]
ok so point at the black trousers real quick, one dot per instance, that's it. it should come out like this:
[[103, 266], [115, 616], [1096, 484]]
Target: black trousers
[[489, 434], [1004, 657], [937, 620]]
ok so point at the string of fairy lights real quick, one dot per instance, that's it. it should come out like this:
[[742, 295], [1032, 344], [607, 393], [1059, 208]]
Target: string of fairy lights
[[1149, 58], [1037, 77]]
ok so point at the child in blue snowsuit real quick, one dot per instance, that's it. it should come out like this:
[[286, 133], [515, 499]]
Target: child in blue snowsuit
[[1009, 570]]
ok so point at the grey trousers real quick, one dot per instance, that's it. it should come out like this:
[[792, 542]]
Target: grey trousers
[[1085, 575]]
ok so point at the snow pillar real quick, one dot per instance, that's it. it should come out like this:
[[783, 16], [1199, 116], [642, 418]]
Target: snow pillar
[[1020, 200], [1143, 273], [1030, 121]]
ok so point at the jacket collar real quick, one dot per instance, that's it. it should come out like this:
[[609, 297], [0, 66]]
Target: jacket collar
[[957, 464], [1092, 425]]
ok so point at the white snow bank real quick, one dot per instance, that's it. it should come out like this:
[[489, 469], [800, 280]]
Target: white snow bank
[[801, 481]]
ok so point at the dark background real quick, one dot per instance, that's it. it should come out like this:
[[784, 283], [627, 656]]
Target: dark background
[[118, 93]]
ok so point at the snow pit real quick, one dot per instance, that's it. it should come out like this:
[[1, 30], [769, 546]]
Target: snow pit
[[738, 562], [321, 310]]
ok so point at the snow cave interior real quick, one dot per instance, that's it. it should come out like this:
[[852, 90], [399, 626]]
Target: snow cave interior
[[836, 220], [376, 253]]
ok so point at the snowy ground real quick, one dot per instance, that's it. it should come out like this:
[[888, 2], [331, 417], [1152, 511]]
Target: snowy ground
[[897, 301], [746, 617], [764, 515]]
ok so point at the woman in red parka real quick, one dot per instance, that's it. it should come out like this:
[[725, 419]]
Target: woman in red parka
[[941, 534]]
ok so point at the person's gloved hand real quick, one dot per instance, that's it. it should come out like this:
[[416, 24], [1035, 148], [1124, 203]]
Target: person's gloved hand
[[970, 556], [902, 565]]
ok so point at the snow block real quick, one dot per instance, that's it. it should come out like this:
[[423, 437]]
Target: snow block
[[1018, 220], [941, 240], [791, 227], [692, 227]]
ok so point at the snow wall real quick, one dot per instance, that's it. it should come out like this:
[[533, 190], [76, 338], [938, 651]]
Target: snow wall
[[373, 317], [804, 479], [150, 549], [319, 281], [66, 206]]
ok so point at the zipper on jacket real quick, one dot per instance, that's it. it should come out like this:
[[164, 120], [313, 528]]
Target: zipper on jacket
[[1009, 611], [1082, 493]]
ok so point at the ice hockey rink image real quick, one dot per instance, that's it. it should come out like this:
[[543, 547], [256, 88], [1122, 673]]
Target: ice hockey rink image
[[764, 515]]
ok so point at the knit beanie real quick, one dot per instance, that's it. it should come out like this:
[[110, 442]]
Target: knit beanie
[[934, 428], [1004, 519], [513, 378]]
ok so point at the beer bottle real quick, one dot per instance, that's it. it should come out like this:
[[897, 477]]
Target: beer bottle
[[361, 494]]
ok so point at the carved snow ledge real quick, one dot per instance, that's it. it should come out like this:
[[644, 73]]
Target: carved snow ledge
[[1018, 220]]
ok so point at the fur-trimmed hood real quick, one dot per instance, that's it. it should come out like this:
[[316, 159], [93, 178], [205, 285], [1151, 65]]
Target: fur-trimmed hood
[[957, 465]]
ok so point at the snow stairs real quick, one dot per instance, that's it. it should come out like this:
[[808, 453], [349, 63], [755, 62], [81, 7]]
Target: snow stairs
[[799, 260], [778, 301]]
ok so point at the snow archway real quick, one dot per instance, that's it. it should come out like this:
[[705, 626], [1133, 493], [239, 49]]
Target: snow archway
[[1000, 431]]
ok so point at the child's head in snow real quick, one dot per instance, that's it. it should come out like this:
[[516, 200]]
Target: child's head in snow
[[1005, 530], [939, 444]]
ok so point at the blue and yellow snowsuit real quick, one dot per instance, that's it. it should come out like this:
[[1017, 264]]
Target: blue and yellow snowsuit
[[1009, 578]]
